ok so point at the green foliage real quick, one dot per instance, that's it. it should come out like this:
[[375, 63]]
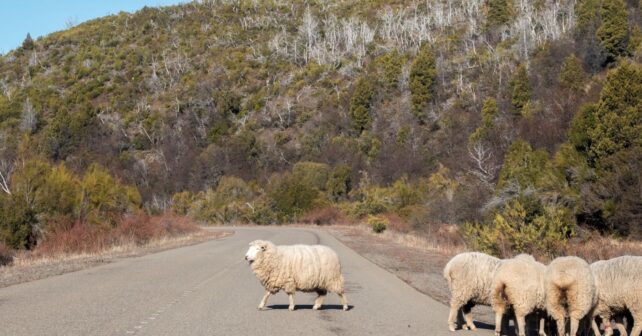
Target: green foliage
[[572, 75], [510, 231], [423, 73], [339, 182], [498, 13], [524, 167], [182, 202], [520, 88], [489, 112], [378, 224], [360, 104], [103, 199], [27, 43], [389, 66], [228, 203], [583, 122], [613, 32], [618, 118], [291, 197], [312, 173]]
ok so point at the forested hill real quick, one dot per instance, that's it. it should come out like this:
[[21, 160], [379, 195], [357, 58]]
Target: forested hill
[[513, 116]]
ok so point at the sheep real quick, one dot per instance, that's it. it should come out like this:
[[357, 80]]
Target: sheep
[[619, 287], [519, 282], [306, 268], [570, 289], [469, 276]]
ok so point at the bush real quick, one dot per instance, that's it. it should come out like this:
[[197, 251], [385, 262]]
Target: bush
[[6, 255], [378, 224], [323, 216], [291, 197], [511, 232]]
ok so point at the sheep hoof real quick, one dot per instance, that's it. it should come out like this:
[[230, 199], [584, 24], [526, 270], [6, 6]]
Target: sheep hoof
[[473, 328], [260, 308], [291, 308], [497, 333], [451, 327], [464, 327], [315, 307], [345, 308]]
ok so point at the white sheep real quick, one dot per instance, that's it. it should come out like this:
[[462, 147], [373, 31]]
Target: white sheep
[[306, 268], [619, 287], [469, 277], [519, 283], [570, 290]]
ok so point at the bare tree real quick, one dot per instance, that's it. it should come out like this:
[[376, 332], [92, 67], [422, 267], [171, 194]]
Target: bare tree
[[29, 118], [483, 165]]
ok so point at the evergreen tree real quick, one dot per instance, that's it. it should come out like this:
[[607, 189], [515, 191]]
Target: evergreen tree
[[521, 89], [489, 112], [360, 104], [572, 75], [618, 119], [499, 13], [613, 32], [423, 73], [27, 44]]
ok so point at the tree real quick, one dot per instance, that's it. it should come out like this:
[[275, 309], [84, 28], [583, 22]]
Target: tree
[[613, 32], [489, 112], [499, 13], [422, 80], [520, 88], [618, 119], [572, 75], [27, 44], [360, 104]]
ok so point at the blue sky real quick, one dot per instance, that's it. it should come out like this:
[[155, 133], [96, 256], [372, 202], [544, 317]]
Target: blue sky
[[41, 17]]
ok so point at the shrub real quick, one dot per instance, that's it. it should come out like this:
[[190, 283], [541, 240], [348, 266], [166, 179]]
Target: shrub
[[323, 216], [312, 173], [181, 202], [339, 182], [511, 231], [378, 224], [6, 255], [291, 197], [423, 73]]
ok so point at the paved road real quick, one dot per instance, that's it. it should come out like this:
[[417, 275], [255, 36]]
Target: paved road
[[208, 289]]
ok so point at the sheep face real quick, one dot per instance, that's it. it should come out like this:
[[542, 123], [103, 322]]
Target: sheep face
[[256, 248]]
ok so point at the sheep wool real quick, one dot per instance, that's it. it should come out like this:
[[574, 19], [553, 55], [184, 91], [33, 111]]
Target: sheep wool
[[519, 283], [570, 291], [305, 268], [469, 276], [619, 287]]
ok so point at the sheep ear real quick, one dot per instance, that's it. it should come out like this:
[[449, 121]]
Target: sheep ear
[[263, 247]]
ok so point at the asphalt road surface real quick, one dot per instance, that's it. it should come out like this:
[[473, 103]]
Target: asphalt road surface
[[209, 289]]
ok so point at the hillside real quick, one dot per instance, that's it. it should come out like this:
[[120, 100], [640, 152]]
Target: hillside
[[519, 120]]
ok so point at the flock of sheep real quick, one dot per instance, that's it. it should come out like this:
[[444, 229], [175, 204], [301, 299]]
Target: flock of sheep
[[567, 288]]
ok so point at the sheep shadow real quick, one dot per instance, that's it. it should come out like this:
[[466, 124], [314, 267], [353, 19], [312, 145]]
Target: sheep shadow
[[309, 307]]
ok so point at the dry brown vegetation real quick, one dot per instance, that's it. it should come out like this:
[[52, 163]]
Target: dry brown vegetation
[[82, 246]]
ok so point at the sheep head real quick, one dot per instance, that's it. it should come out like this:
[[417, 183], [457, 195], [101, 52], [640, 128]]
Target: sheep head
[[256, 249]]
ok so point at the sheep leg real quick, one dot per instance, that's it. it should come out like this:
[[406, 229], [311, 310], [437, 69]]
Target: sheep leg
[[468, 316], [319, 300], [264, 300], [452, 317], [344, 300], [520, 324], [575, 323], [561, 326], [619, 324], [291, 299], [499, 313], [596, 329], [542, 325], [637, 328]]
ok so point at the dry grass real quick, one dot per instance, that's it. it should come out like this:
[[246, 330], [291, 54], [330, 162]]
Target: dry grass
[[324, 216], [83, 246], [6, 255], [595, 247]]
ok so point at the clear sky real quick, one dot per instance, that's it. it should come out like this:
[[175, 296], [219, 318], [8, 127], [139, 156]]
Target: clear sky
[[41, 17]]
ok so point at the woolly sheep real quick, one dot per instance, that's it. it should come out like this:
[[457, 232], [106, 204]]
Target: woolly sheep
[[519, 283], [619, 287], [570, 290], [469, 277], [306, 268]]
